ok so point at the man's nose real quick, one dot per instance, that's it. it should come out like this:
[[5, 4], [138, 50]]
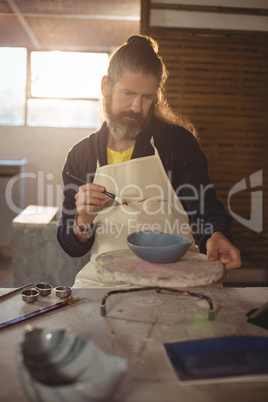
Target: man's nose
[[136, 105]]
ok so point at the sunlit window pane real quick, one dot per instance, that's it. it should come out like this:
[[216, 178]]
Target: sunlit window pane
[[58, 74], [62, 113], [13, 65]]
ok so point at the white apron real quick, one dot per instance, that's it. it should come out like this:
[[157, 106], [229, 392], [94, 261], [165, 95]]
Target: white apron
[[152, 205]]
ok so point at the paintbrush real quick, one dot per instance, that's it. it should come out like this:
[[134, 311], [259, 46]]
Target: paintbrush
[[42, 310], [113, 196], [12, 292]]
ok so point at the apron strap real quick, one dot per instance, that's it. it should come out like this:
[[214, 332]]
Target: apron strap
[[154, 147]]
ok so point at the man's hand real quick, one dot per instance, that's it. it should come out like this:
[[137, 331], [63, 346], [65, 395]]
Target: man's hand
[[219, 248], [89, 201]]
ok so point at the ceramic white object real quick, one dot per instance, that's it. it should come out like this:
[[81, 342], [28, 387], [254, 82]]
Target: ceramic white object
[[56, 365], [193, 269]]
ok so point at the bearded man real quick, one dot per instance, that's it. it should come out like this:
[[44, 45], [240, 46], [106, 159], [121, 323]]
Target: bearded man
[[145, 154]]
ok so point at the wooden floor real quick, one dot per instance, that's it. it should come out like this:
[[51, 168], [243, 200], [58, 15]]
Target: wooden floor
[[6, 269]]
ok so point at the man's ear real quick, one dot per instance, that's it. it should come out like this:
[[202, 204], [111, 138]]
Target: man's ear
[[104, 86]]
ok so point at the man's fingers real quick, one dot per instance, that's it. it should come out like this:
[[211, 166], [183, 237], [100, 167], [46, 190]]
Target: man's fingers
[[212, 256], [88, 195], [230, 258], [212, 252], [90, 200]]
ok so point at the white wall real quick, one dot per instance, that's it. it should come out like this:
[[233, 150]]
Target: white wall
[[45, 150]]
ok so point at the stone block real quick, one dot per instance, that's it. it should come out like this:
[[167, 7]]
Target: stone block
[[37, 256]]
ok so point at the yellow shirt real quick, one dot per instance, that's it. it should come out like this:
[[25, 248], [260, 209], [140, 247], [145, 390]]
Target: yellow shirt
[[118, 157]]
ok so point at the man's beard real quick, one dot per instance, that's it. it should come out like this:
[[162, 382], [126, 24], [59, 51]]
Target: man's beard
[[120, 124]]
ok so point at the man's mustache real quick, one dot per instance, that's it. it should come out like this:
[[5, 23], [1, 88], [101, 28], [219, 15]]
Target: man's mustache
[[131, 115]]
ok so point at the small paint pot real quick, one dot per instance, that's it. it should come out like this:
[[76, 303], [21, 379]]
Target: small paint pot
[[30, 295], [43, 288], [63, 291]]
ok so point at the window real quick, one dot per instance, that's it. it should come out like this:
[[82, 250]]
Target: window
[[13, 67], [64, 90]]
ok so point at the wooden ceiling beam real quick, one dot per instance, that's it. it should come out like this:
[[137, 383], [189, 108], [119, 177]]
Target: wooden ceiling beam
[[81, 16], [209, 9], [25, 25]]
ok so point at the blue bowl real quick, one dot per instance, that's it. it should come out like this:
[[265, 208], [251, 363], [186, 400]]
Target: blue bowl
[[158, 247]]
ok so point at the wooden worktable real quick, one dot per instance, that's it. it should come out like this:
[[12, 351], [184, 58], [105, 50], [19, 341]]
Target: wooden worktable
[[136, 326]]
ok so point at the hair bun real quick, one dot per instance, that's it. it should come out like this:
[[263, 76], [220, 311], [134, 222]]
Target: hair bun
[[142, 40]]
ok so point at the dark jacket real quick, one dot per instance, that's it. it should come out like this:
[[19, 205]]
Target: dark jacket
[[184, 163]]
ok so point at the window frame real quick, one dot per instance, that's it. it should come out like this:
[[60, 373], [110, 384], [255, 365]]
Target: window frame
[[28, 93]]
